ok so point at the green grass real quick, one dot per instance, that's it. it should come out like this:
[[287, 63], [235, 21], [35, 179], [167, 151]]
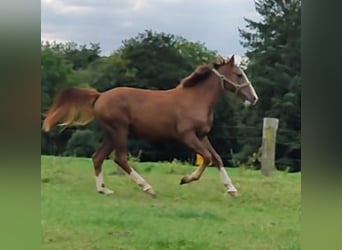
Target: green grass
[[195, 216]]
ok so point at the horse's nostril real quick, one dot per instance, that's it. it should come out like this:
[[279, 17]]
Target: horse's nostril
[[255, 99]]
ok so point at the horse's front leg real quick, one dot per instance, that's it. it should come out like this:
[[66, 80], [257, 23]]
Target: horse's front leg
[[195, 143], [217, 161]]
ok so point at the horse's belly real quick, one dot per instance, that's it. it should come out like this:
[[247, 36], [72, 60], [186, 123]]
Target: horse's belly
[[155, 130]]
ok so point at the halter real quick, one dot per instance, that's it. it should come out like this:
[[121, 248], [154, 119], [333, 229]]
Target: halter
[[236, 86]]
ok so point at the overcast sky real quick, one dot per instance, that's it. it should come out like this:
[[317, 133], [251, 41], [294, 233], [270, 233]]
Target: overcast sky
[[212, 22]]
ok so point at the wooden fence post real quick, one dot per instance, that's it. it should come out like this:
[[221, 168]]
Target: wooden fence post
[[268, 145]]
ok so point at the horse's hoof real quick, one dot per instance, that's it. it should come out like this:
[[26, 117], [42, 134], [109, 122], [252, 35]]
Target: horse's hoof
[[183, 181], [105, 191], [233, 193], [151, 192]]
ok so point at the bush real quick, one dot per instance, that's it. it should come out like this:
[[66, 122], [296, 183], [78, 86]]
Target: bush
[[82, 143]]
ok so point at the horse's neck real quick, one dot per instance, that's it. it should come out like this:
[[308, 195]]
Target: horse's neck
[[209, 91]]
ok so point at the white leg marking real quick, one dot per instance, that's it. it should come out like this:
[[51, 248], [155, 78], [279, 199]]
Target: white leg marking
[[99, 181], [227, 181], [99, 184], [141, 182], [195, 174]]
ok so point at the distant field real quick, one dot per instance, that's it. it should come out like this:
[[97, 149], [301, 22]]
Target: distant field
[[195, 216]]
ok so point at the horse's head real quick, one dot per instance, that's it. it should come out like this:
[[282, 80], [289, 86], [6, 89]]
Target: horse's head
[[235, 80]]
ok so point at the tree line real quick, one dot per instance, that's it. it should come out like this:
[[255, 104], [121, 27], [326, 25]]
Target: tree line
[[157, 60]]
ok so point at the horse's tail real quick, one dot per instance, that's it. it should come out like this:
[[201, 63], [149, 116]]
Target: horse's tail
[[72, 106]]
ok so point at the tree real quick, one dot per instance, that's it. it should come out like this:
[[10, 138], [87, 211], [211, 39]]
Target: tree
[[160, 60], [79, 56], [273, 48], [110, 72], [57, 72], [54, 74]]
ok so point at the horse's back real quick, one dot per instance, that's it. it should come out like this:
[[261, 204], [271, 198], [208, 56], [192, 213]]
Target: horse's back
[[134, 98], [145, 111]]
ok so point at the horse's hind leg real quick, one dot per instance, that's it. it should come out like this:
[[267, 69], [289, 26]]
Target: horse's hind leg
[[121, 160], [217, 161], [98, 157]]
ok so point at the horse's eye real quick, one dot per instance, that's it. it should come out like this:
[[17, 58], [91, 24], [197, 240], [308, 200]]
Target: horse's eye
[[239, 75]]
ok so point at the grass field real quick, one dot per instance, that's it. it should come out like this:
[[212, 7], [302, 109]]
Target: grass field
[[196, 216]]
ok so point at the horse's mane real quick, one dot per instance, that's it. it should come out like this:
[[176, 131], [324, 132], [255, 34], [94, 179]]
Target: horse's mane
[[202, 72]]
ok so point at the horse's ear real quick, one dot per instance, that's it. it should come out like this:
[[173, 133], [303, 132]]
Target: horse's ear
[[232, 61], [219, 60]]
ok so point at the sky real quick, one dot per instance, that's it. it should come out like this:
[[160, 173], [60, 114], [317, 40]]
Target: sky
[[108, 22]]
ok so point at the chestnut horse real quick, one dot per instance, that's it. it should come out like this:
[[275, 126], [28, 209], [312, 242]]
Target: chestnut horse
[[184, 113]]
